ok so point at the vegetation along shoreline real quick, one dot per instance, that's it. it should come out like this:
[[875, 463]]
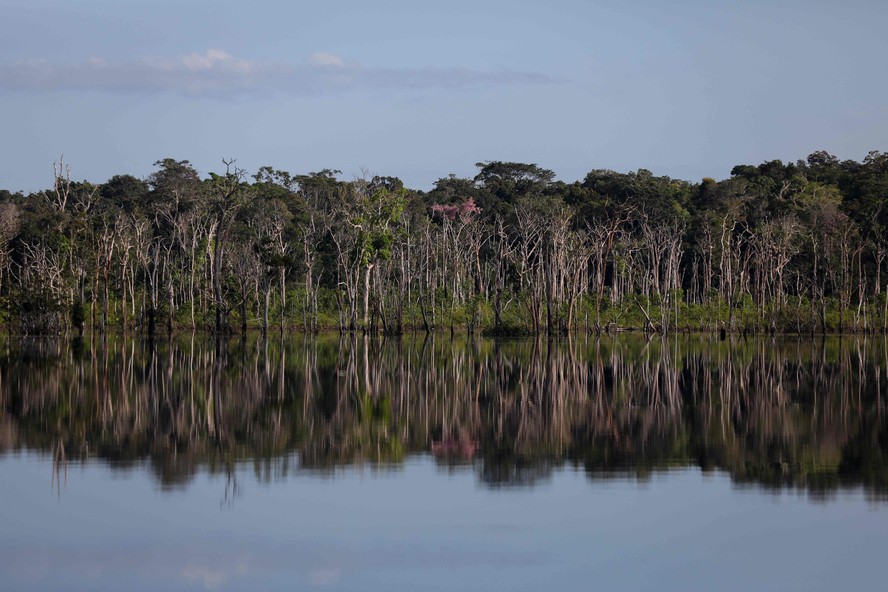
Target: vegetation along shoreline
[[797, 248]]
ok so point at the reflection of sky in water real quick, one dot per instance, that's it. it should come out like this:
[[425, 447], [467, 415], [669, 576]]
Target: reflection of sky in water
[[422, 528]]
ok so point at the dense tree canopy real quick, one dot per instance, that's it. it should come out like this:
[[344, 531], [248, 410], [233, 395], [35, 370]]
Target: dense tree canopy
[[777, 246]]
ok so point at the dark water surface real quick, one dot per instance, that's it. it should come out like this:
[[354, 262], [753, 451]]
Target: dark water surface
[[438, 464]]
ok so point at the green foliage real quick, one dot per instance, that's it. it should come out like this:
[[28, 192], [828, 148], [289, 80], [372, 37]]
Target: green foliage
[[377, 219], [775, 247]]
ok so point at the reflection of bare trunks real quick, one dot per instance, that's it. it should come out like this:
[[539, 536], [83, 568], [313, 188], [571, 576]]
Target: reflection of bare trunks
[[59, 468], [779, 413]]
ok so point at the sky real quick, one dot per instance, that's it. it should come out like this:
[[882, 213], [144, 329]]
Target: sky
[[421, 90]]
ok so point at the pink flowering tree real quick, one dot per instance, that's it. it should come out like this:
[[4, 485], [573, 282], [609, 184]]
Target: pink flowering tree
[[463, 238], [463, 212]]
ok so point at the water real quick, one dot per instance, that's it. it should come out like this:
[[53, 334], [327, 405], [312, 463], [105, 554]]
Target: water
[[439, 465]]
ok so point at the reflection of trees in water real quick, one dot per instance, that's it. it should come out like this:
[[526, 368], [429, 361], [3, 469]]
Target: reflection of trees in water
[[795, 415], [778, 413]]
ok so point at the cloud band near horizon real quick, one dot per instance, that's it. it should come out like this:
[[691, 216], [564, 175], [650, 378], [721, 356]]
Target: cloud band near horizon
[[218, 73]]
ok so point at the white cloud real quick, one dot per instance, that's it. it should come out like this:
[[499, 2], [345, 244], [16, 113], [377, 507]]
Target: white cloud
[[217, 72], [326, 60], [214, 58]]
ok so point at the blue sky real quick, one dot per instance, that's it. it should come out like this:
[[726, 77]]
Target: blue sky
[[421, 90]]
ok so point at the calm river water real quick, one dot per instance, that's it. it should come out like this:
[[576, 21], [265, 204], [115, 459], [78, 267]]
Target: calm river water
[[439, 464]]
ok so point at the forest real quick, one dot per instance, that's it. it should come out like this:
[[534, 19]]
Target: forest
[[775, 248]]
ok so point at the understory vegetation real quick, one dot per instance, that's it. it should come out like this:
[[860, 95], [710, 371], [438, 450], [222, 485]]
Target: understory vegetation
[[776, 247]]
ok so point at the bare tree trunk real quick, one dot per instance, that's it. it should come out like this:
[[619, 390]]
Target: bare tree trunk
[[267, 294], [283, 292], [217, 283], [172, 308], [366, 318]]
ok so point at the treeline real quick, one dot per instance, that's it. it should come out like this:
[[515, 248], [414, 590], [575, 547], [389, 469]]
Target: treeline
[[774, 248]]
